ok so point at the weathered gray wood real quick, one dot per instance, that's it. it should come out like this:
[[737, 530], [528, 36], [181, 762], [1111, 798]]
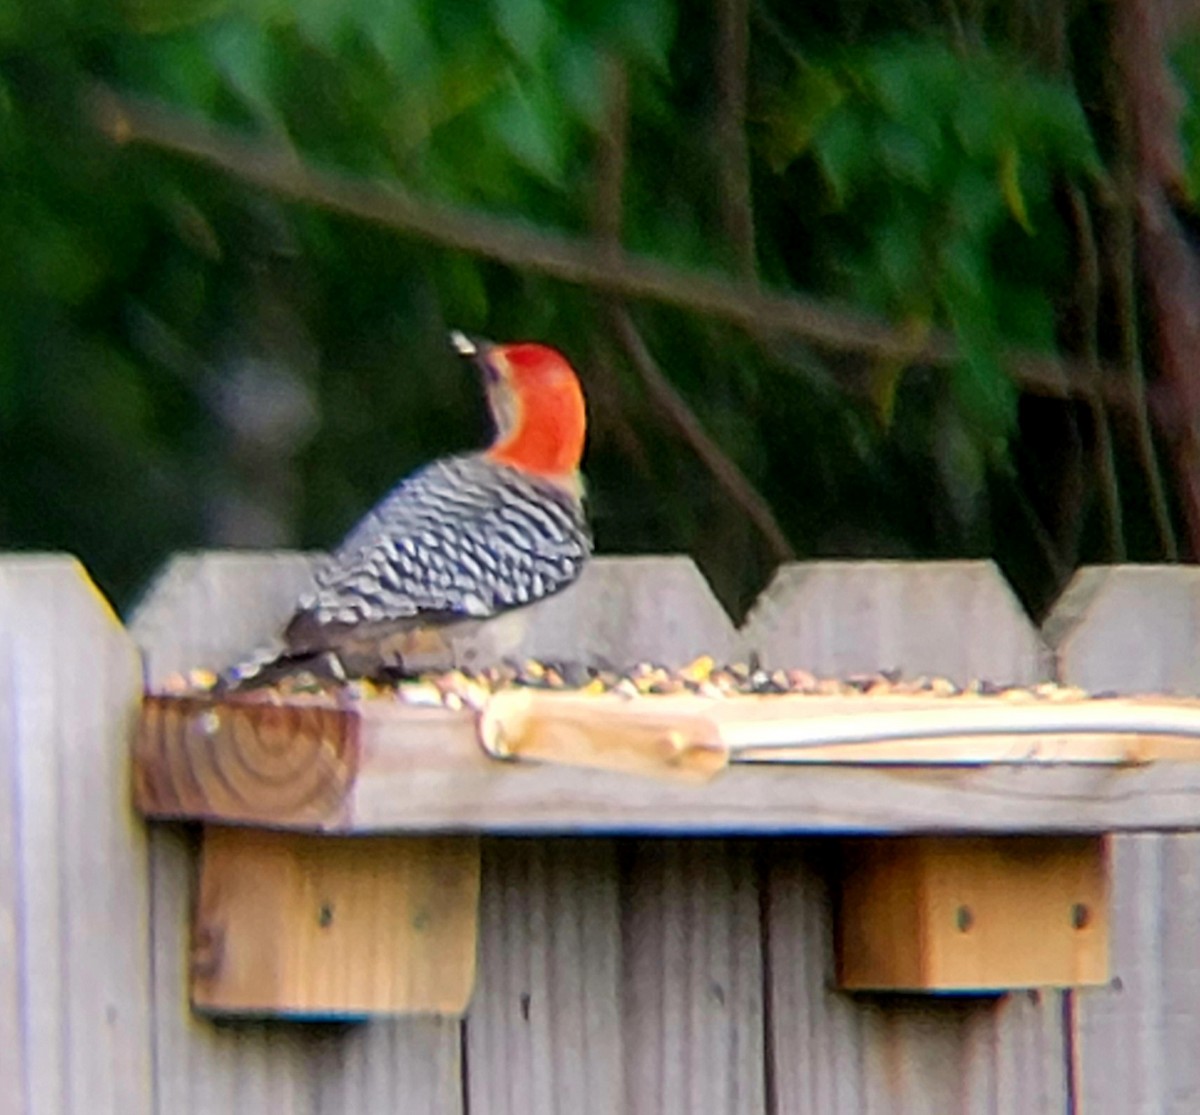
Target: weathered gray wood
[[208, 610], [953, 619], [543, 1032], [835, 1054], [12, 1022], [693, 1002], [1129, 629], [1136, 629], [621, 611], [814, 1041], [692, 975], [75, 1007], [832, 1054], [201, 1068], [371, 1070]]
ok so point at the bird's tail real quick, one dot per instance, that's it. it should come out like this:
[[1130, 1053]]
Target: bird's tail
[[274, 662]]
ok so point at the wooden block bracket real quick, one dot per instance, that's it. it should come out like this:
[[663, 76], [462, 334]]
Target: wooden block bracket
[[327, 926], [964, 914]]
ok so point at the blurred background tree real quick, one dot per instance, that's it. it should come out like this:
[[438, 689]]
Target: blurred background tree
[[894, 279]]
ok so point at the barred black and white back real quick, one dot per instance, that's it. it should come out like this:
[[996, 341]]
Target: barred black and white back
[[463, 538]]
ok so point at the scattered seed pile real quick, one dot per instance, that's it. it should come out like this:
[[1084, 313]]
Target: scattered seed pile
[[456, 689]]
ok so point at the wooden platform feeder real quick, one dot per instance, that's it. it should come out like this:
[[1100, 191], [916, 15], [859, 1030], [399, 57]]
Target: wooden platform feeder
[[340, 865]]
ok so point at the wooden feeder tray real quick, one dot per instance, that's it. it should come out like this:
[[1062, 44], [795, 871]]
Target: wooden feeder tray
[[985, 868]]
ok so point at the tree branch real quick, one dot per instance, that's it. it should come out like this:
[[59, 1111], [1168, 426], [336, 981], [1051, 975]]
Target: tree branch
[[612, 155], [724, 470], [1088, 286], [1120, 240], [570, 259], [733, 157], [1169, 267], [604, 396]]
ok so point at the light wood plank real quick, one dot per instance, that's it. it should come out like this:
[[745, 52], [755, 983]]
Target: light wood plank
[[74, 988], [208, 610], [693, 1006], [13, 1033], [370, 1069], [295, 924], [951, 913], [241, 761], [958, 620], [422, 770], [814, 1033], [1129, 629], [544, 1030], [1136, 629], [693, 737]]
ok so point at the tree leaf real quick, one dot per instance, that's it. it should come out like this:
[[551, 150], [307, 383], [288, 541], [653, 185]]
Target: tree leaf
[[526, 26], [1010, 186]]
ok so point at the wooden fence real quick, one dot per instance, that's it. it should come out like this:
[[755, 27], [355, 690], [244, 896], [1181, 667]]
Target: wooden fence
[[616, 974]]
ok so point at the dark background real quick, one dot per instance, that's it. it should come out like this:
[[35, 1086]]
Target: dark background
[[974, 219]]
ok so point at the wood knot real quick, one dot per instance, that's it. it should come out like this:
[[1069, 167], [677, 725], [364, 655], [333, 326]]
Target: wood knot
[[208, 951]]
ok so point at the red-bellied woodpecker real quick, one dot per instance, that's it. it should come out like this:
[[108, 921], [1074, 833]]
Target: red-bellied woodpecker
[[462, 539]]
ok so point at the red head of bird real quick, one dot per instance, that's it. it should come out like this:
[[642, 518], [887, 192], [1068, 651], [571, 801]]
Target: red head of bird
[[537, 404]]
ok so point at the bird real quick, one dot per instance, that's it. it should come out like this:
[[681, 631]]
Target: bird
[[463, 539]]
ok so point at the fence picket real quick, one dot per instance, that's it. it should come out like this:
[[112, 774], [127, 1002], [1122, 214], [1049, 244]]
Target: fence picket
[[1132, 629], [955, 619], [75, 1007], [207, 610]]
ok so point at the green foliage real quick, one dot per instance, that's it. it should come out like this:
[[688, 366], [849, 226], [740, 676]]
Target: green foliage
[[1187, 66], [178, 347], [939, 173]]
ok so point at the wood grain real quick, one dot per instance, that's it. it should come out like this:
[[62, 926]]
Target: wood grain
[[972, 914], [544, 1029], [693, 737], [210, 609], [835, 1055], [693, 979], [621, 611], [239, 760], [919, 617], [1135, 629], [422, 770], [831, 1053], [75, 1005], [322, 926]]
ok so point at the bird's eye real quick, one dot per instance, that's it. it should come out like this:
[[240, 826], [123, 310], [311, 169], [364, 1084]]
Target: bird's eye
[[491, 373]]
